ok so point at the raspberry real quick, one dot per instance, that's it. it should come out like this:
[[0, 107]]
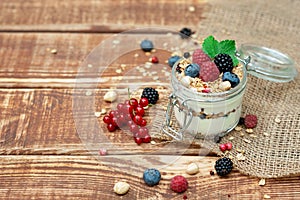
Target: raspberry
[[224, 62], [223, 166], [250, 121], [200, 57], [151, 177], [179, 184], [151, 94], [209, 71]]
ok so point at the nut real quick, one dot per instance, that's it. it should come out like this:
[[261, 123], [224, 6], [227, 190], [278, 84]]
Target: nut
[[192, 169], [110, 96], [121, 187], [224, 86], [186, 80], [262, 182], [267, 196]]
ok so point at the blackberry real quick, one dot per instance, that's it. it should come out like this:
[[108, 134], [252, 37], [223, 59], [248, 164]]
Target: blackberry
[[224, 62], [185, 33], [151, 94], [241, 121], [223, 166]]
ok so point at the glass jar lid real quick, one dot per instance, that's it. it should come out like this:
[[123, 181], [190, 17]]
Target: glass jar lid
[[268, 64]]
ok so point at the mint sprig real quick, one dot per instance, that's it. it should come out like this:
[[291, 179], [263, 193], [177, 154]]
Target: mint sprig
[[212, 47]]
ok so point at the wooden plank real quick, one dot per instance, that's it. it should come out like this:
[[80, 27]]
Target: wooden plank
[[84, 177], [63, 121], [97, 16], [27, 60]]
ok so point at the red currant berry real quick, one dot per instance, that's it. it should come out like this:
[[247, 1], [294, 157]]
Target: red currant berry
[[114, 121], [121, 120], [129, 122], [113, 113], [143, 122], [147, 138], [138, 140], [129, 116], [139, 110], [127, 102], [154, 59], [137, 119], [228, 146], [222, 147], [106, 119], [144, 102], [120, 107], [143, 131], [134, 128], [134, 102], [127, 109], [111, 127]]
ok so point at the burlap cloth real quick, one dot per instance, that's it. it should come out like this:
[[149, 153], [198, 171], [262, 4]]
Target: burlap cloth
[[273, 149]]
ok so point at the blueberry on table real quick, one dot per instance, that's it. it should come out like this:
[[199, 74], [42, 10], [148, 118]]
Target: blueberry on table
[[192, 70], [146, 45], [151, 177], [172, 60]]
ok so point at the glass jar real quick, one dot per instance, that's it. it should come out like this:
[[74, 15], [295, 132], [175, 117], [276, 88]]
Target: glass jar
[[212, 115]]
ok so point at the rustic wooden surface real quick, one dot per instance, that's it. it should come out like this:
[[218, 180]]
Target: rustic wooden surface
[[43, 154]]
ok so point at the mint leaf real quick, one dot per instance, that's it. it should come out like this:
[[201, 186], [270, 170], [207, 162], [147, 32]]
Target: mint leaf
[[234, 59], [227, 46], [210, 46]]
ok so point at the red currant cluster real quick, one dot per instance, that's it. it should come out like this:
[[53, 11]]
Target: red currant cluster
[[129, 115], [224, 147]]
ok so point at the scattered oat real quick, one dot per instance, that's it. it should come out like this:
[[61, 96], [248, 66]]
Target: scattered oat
[[238, 128], [277, 120], [240, 157], [118, 71], [246, 140], [156, 78], [242, 134], [110, 96], [116, 41], [267, 196], [88, 93], [148, 65], [89, 65], [249, 130], [253, 135], [152, 142], [136, 55], [191, 8], [192, 169], [262, 182], [103, 111], [153, 50], [121, 187], [170, 123], [53, 51], [103, 80], [148, 54], [231, 138], [240, 150], [97, 114], [230, 157]]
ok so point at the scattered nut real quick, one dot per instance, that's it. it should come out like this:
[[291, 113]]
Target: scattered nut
[[118, 71], [266, 134], [231, 138], [267, 196], [103, 111], [238, 128], [97, 114], [277, 120], [121, 187], [262, 182], [240, 157], [53, 51], [152, 142], [249, 130], [247, 141], [192, 169], [191, 8], [88, 93], [89, 65], [110, 96]]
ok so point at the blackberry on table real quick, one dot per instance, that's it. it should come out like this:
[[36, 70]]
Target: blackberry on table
[[223, 166], [151, 94], [224, 62], [185, 33]]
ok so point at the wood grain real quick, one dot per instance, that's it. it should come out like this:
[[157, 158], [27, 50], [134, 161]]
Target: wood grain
[[84, 177], [97, 16]]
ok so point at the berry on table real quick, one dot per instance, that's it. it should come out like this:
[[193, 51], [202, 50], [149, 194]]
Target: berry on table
[[186, 54], [154, 59], [146, 45], [250, 121], [228, 146], [223, 166], [179, 184], [151, 176], [185, 33], [139, 110], [224, 62], [232, 78], [134, 102], [111, 127], [209, 72], [147, 138], [151, 94], [192, 70], [138, 140], [222, 147], [144, 102], [200, 57], [107, 119], [172, 60]]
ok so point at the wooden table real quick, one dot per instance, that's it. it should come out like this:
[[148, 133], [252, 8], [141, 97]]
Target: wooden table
[[42, 46]]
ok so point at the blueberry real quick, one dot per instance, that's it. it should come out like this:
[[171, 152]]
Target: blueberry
[[192, 70], [185, 33], [172, 60], [232, 78], [146, 45], [151, 177]]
